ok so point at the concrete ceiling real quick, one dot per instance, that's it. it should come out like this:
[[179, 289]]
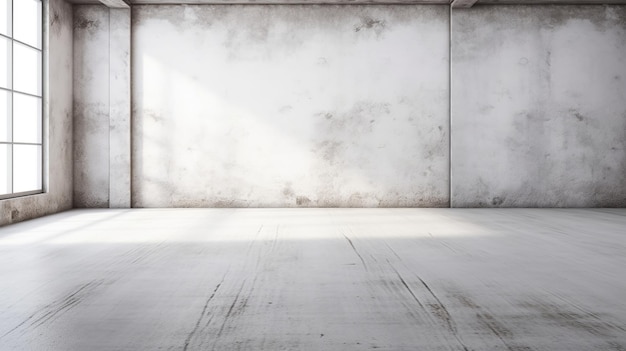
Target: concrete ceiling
[[454, 3]]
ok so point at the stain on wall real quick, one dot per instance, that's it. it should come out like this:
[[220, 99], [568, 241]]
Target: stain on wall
[[58, 122], [539, 106], [289, 106]]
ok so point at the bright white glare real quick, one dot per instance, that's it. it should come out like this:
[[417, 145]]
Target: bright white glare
[[242, 225], [26, 168], [26, 119], [264, 147], [27, 69], [5, 116], [27, 24], [5, 63], [275, 155], [5, 172], [5, 17]]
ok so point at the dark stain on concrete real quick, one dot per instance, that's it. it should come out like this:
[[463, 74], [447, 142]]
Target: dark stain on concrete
[[370, 23], [288, 191], [579, 320], [330, 150], [303, 201], [497, 201], [56, 21], [579, 116], [86, 24], [492, 325], [356, 200], [548, 16], [421, 198], [534, 17]]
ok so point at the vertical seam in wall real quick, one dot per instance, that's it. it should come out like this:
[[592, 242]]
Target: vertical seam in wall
[[130, 106], [450, 106], [74, 10], [110, 114], [72, 138]]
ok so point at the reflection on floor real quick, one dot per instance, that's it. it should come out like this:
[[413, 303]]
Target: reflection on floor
[[315, 279]]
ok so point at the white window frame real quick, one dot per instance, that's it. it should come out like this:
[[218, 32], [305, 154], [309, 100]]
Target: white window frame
[[12, 92]]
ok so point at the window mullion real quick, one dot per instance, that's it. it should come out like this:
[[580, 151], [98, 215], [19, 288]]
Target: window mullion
[[12, 153]]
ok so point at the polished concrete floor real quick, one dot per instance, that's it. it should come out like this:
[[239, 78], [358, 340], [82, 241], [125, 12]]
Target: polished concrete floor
[[315, 279]]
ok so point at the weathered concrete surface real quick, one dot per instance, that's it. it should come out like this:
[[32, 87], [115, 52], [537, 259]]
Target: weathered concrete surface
[[238, 106], [91, 106], [539, 106], [119, 108], [57, 122], [315, 279], [102, 107]]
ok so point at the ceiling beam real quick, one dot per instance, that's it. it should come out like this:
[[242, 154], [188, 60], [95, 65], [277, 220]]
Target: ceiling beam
[[291, 2], [463, 3], [115, 4]]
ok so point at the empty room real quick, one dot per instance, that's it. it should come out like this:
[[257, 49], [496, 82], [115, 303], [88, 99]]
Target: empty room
[[417, 175]]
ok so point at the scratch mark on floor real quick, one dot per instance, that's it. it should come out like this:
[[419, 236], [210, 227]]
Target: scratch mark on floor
[[230, 310], [443, 309], [407, 287], [498, 329], [56, 308], [255, 239], [439, 307], [393, 251], [275, 237], [204, 310], [449, 247], [356, 252], [588, 313]]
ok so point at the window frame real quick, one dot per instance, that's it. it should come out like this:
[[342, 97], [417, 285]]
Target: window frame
[[42, 113]]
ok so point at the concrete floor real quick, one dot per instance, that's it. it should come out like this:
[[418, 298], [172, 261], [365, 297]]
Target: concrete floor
[[315, 279]]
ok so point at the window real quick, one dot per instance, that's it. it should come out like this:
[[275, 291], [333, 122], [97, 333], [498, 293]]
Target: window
[[21, 102]]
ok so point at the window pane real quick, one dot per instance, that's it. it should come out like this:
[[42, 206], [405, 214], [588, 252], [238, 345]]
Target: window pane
[[5, 169], [27, 22], [26, 168], [5, 17], [26, 119], [5, 116], [5, 63], [27, 69]]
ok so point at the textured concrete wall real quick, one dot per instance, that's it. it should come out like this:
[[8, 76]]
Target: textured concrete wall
[[101, 106], [539, 106], [57, 122], [290, 106], [119, 109], [91, 106]]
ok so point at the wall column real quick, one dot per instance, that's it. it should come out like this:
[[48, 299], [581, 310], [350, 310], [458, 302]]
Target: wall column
[[119, 109]]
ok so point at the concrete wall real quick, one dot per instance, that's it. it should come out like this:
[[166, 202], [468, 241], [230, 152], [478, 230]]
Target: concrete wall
[[539, 106], [290, 106], [57, 122], [101, 106], [91, 106], [348, 106]]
